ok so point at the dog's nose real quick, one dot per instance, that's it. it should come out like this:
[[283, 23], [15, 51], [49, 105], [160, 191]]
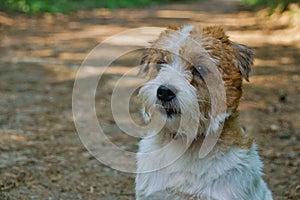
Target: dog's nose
[[164, 93]]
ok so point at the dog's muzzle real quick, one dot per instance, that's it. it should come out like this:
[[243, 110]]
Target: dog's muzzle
[[167, 97]]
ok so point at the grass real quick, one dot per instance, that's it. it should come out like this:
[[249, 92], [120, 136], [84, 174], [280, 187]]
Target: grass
[[67, 6], [272, 4], [32, 7]]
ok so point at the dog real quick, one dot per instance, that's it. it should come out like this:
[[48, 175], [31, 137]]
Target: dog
[[195, 84]]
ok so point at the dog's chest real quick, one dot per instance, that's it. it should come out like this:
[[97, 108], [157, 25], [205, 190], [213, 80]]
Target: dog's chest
[[186, 175], [192, 177], [177, 177]]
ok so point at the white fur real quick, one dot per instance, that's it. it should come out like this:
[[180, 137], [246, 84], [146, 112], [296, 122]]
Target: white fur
[[187, 29], [216, 122], [178, 36], [186, 97], [231, 175]]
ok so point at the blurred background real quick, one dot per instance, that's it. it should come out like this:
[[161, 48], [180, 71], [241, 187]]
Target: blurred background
[[42, 45]]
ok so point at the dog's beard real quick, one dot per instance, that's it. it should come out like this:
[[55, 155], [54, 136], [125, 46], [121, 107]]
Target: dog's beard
[[181, 113], [169, 109]]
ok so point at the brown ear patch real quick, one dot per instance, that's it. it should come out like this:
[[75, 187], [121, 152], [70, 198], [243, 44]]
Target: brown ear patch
[[244, 56], [171, 27]]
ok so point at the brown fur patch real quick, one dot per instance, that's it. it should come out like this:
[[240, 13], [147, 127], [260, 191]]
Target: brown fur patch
[[232, 134], [175, 28]]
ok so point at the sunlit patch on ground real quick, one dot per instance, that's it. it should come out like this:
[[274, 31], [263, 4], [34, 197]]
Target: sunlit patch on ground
[[41, 156]]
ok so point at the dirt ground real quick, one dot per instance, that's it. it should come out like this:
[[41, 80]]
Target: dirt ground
[[41, 156]]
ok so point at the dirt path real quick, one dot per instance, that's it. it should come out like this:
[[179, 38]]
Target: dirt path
[[41, 156]]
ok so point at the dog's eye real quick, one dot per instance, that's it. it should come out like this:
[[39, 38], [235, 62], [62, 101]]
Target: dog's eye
[[200, 70], [161, 62]]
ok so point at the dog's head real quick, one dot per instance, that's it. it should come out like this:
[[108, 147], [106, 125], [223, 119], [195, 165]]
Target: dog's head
[[183, 64]]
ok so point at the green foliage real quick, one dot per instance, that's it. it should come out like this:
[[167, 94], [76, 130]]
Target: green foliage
[[283, 4], [67, 6]]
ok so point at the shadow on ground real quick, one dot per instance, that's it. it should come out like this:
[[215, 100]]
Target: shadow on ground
[[41, 154]]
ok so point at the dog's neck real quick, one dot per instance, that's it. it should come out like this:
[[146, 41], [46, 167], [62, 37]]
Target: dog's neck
[[231, 134]]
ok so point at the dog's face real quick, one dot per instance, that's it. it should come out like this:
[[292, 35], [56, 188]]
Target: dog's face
[[182, 65]]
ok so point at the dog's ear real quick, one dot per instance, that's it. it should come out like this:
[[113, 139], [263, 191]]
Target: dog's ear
[[244, 56]]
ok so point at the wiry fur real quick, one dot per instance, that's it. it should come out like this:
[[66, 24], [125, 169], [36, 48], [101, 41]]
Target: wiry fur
[[232, 170]]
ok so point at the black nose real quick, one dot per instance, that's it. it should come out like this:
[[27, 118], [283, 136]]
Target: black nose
[[164, 93]]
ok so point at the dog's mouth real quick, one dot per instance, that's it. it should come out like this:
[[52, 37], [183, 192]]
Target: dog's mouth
[[171, 112], [169, 109]]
